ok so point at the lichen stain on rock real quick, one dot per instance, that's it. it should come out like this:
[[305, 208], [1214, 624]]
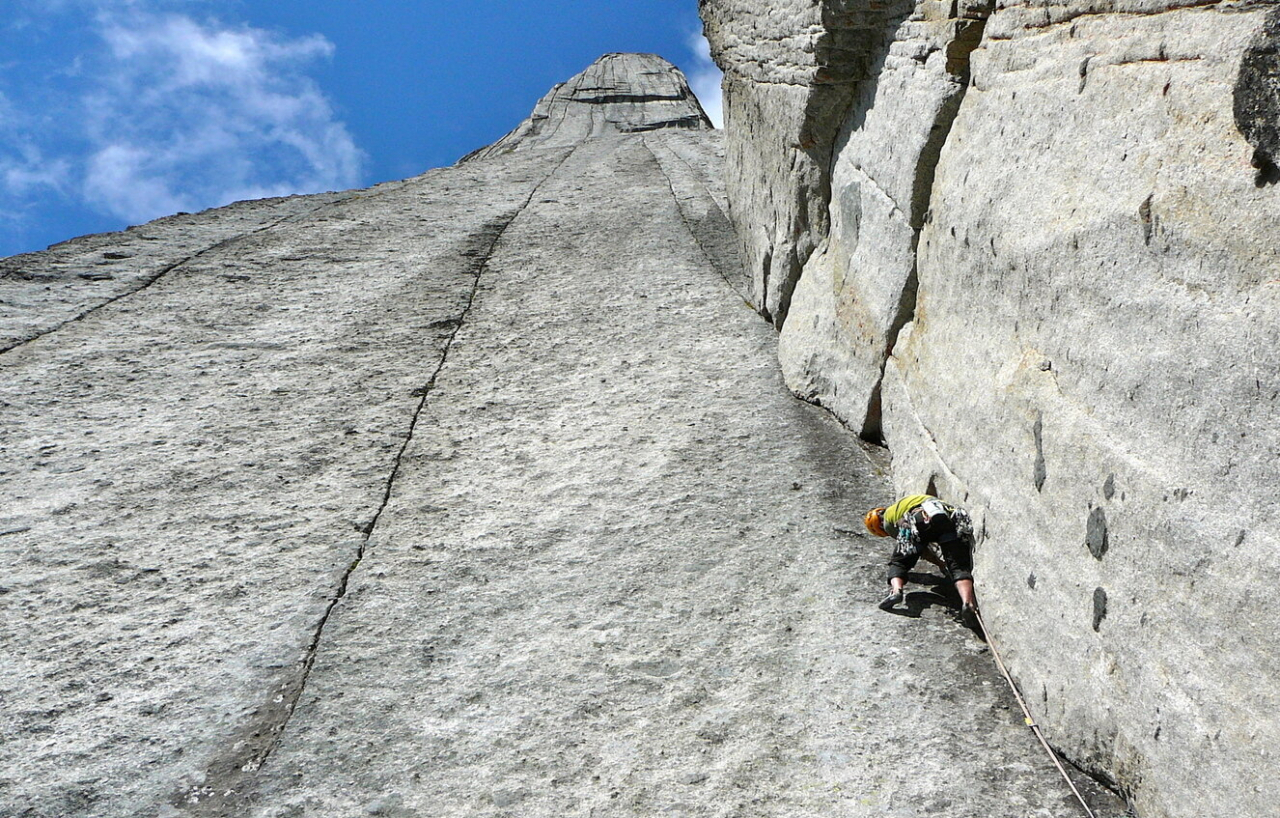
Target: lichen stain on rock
[[1099, 607], [1256, 98], [1096, 533], [1147, 220], [1040, 472]]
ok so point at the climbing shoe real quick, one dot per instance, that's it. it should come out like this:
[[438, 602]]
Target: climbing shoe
[[969, 616], [889, 602]]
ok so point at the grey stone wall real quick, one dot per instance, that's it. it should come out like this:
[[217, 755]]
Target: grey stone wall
[[477, 494], [1062, 254], [859, 288], [791, 71]]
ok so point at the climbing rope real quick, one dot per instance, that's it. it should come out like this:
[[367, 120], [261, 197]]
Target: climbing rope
[[1035, 728]]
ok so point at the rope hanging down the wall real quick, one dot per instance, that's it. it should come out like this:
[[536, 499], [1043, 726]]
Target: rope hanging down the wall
[[1035, 728]]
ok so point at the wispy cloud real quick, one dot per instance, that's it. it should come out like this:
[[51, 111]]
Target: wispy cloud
[[705, 78], [191, 114], [161, 111], [25, 172]]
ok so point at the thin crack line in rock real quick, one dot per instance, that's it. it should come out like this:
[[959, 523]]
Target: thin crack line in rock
[[1196, 5], [220, 797], [922, 184], [812, 402], [692, 175], [564, 108], [164, 271], [685, 219]]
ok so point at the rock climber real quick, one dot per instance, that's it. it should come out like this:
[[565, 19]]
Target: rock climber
[[924, 526]]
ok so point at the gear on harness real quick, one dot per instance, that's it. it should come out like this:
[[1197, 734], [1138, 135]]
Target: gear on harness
[[925, 527], [907, 549]]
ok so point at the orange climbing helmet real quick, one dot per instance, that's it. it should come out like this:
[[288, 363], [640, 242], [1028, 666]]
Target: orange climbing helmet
[[874, 521]]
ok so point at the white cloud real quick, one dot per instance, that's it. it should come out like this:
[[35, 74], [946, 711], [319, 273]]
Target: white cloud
[[188, 114], [130, 183], [28, 172], [705, 79], [24, 170], [195, 54]]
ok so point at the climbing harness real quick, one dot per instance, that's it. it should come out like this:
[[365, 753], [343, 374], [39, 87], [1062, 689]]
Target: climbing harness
[[1035, 728]]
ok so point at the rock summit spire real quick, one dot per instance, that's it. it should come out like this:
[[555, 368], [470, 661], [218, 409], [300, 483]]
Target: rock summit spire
[[618, 93]]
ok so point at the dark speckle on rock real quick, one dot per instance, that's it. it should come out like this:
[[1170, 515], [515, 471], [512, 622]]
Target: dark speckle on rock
[[1256, 99], [1096, 537], [1099, 607], [1039, 469]]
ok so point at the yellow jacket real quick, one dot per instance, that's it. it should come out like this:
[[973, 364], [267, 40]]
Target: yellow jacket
[[902, 508]]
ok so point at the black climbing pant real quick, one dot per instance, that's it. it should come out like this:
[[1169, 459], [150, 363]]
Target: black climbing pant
[[956, 556]]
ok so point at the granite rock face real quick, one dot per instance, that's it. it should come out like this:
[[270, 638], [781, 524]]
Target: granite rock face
[[791, 72], [45, 291], [476, 494], [1061, 236], [618, 93], [859, 288]]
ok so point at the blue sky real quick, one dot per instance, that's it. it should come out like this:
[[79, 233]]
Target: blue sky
[[114, 112]]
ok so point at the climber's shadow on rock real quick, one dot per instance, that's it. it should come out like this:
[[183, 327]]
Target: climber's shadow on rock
[[941, 592], [938, 593]]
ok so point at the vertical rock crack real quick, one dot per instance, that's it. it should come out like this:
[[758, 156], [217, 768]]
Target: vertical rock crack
[[156, 277], [958, 52], [224, 791], [684, 218]]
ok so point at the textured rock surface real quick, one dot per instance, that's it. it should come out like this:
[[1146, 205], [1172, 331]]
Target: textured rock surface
[[476, 494], [616, 573], [698, 187], [189, 470], [618, 93], [859, 289], [792, 70], [1124, 305], [1088, 353], [44, 291]]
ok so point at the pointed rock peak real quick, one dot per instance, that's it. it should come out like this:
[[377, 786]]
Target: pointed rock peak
[[618, 93]]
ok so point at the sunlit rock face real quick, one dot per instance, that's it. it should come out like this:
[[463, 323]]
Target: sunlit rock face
[[791, 72], [618, 93], [859, 288], [1046, 275], [474, 494]]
